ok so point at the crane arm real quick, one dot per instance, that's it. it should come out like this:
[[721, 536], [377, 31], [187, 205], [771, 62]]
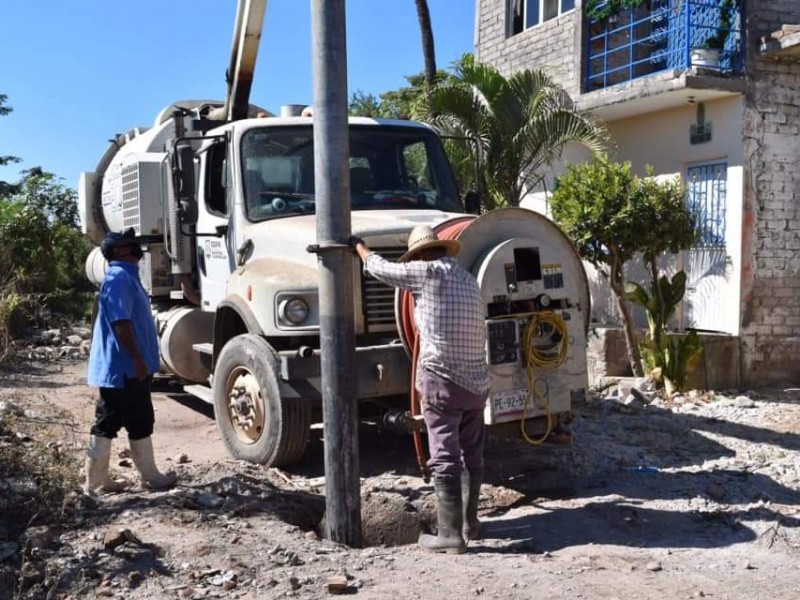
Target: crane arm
[[244, 51]]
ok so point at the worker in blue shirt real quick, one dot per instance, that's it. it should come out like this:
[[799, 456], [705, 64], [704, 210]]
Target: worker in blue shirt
[[122, 360]]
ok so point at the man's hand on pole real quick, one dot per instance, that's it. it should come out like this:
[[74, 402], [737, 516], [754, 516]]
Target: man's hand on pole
[[359, 246]]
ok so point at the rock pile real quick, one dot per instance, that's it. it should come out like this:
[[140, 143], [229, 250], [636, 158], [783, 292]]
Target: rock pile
[[47, 345]]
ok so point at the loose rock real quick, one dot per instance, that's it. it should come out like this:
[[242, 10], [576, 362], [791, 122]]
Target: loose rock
[[336, 584]]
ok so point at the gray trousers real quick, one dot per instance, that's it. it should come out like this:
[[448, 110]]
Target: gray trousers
[[454, 420]]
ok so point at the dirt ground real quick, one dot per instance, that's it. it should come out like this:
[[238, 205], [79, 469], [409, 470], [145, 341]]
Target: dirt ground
[[697, 497]]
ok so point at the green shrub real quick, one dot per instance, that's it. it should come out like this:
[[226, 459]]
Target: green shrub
[[668, 357], [42, 253], [611, 215]]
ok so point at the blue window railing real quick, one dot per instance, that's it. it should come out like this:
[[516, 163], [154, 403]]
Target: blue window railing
[[664, 35]]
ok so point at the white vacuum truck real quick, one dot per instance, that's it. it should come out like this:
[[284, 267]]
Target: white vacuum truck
[[221, 195]]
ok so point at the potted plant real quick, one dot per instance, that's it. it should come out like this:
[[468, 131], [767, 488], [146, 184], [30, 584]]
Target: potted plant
[[708, 52]]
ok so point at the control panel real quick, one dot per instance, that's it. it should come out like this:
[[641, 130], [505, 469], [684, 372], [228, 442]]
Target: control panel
[[503, 341], [536, 337]]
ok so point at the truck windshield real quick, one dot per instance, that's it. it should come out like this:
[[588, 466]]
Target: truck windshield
[[390, 168]]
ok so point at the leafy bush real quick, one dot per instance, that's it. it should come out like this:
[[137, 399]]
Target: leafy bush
[[613, 215], [42, 253], [680, 353], [668, 358], [11, 300], [659, 304]]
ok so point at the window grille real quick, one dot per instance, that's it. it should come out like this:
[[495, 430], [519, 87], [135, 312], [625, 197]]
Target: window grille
[[706, 198], [663, 35]]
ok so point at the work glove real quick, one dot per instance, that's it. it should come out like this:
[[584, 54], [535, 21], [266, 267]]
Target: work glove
[[353, 241]]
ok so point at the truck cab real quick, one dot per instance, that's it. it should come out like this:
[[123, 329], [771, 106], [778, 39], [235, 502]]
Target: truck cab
[[256, 189]]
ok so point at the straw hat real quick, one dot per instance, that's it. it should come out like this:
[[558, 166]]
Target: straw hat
[[423, 237]]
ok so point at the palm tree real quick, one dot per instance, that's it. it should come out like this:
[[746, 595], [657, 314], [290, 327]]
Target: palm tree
[[520, 123], [428, 51]]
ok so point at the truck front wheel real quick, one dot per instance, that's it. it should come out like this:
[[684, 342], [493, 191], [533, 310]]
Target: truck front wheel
[[256, 424]]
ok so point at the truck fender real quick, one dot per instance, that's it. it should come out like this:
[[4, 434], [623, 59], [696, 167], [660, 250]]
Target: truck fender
[[233, 317]]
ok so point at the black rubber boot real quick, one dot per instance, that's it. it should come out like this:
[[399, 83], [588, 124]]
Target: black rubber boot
[[471, 480], [450, 517]]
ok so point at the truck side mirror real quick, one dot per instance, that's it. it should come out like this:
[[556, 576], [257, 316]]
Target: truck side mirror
[[185, 174], [472, 202], [188, 212]]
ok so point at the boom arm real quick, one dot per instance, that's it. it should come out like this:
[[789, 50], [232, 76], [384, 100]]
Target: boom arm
[[246, 38]]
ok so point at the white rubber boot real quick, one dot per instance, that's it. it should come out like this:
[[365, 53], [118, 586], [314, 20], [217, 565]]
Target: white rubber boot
[[97, 458], [142, 453]]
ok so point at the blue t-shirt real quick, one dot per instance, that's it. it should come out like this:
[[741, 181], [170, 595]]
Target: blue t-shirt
[[122, 298]]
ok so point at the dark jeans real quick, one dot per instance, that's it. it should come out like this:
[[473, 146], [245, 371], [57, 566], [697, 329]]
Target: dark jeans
[[454, 419], [130, 407]]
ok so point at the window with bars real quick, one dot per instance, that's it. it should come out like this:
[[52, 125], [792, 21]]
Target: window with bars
[[524, 14], [706, 197]]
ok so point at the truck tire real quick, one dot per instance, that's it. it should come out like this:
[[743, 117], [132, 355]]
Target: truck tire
[[256, 424]]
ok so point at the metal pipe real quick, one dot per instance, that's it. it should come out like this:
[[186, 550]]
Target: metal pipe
[[337, 321]]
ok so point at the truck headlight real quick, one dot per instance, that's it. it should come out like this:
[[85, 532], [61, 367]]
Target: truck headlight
[[293, 310]]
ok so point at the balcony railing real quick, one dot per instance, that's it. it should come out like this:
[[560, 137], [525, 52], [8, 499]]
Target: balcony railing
[[664, 35]]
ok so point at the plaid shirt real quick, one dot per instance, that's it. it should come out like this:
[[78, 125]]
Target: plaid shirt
[[448, 311]]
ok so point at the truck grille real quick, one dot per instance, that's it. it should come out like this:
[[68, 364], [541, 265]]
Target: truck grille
[[378, 298]]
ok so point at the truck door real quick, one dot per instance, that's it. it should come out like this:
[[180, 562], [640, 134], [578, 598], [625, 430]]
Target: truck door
[[214, 256]]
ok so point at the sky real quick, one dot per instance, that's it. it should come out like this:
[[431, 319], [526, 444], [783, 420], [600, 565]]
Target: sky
[[76, 73]]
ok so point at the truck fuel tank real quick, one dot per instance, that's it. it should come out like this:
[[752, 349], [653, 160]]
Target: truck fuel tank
[[179, 328]]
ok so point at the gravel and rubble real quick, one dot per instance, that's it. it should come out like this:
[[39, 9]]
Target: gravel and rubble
[[697, 495], [68, 342]]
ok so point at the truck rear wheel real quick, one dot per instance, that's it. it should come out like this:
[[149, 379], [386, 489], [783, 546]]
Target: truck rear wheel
[[256, 424]]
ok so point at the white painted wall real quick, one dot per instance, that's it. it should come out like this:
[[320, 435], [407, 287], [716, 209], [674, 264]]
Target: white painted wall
[[662, 140]]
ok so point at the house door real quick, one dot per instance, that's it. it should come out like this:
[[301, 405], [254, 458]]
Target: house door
[[707, 264]]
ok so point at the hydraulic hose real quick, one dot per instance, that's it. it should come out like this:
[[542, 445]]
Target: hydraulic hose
[[449, 230]]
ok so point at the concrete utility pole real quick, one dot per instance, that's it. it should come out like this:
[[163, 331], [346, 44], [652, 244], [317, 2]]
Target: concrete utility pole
[[337, 337]]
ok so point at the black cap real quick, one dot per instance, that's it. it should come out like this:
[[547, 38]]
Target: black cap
[[113, 238]]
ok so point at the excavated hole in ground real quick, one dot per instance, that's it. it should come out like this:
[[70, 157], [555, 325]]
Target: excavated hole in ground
[[390, 519]]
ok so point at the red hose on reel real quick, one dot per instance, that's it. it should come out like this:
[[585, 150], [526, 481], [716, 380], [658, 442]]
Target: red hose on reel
[[449, 230]]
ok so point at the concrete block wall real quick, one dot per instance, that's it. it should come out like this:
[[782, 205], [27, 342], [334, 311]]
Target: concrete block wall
[[770, 332], [551, 46]]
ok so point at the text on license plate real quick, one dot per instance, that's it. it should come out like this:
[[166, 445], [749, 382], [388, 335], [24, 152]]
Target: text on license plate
[[510, 401]]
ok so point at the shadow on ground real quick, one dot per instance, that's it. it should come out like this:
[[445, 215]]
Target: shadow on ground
[[623, 523], [19, 374]]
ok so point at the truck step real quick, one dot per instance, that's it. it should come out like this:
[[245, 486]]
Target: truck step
[[200, 391], [204, 348]]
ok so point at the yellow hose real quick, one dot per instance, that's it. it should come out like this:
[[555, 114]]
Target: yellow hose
[[544, 324]]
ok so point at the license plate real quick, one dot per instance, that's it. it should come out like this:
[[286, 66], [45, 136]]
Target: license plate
[[512, 401]]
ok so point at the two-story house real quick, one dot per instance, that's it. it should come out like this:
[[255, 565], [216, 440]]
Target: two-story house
[[708, 90]]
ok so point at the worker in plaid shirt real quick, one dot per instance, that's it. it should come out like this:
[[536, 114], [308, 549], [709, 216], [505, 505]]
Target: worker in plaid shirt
[[452, 375]]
